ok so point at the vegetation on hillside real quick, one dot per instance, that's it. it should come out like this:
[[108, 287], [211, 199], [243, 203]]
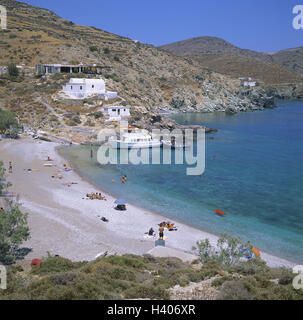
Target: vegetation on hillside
[[9, 124], [146, 277], [142, 74]]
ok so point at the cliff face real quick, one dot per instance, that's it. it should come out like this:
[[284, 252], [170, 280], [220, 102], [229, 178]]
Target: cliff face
[[215, 95], [142, 74]]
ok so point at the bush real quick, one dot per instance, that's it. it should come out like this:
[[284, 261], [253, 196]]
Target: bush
[[98, 115], [12, 70], [53, 265], [234, 290], [112, 76], [127, 261], [229, 250], [146, 292], [93, 48], [251, 267], [13, 231], [106, 50], [9, 124]]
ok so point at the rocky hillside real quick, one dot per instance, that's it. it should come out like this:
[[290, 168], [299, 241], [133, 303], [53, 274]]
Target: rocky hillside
[[241, 66], [284, 66], [142, 74]]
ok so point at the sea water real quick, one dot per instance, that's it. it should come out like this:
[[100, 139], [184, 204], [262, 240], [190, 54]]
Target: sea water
[[254, 173]]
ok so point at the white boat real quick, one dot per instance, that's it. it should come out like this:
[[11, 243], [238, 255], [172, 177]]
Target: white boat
[[134, 141], [169, 144]]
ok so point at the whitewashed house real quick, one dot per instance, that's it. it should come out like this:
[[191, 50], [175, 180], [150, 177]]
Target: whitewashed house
[[116, 113], [82, 88], [249, 83]]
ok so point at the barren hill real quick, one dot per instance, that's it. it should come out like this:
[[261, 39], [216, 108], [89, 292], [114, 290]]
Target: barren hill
[[284, 66]]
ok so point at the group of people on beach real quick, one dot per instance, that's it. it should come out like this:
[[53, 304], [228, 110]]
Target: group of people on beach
[[170, 226], [95, 196]]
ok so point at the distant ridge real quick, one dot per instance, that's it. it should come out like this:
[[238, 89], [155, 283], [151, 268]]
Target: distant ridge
[[221, 56]]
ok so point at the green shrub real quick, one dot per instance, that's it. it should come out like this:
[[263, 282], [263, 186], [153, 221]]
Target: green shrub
[[219, 281], [98, 115], [122, 274], [61, 293], [133, 261], [234, 290], [146, 292], [53, 265], [13, 230], [112, 76], [12, 70], [229, 250], [93, 48], [251, 267], [287, 279]]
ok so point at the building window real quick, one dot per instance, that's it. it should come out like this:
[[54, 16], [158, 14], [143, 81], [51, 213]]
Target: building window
[[93, 86], [80, 87], [71, 87], [114, 110]]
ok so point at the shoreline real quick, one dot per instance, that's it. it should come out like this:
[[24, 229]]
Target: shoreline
[[76, 234], [162, 217]]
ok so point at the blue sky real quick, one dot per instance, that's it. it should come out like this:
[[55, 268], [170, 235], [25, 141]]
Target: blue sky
[[261, 25]]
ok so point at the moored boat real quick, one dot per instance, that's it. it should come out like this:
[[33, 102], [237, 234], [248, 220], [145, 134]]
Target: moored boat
[[134, 141]]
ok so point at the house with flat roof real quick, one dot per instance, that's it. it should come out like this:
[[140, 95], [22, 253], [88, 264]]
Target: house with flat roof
[[45, 69], [82, 88]]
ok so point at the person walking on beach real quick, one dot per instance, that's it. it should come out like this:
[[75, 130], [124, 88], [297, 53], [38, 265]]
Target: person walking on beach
[[161, 232], [10, 167]]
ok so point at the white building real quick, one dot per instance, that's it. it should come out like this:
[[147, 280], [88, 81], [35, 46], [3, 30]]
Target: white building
[[249, 83], [82, 88], [245, 78], [116, 113]]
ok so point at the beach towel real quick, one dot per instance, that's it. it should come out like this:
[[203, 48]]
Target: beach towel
[[48, 164], [146, 236]]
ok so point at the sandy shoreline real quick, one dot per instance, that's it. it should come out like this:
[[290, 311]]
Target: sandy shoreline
[[63, 222]]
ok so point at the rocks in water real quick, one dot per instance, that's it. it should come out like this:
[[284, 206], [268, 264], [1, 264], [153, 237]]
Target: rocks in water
[[230, 110]]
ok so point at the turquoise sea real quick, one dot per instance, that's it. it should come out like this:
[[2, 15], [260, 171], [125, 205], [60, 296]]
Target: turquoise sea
[[256, 177]]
